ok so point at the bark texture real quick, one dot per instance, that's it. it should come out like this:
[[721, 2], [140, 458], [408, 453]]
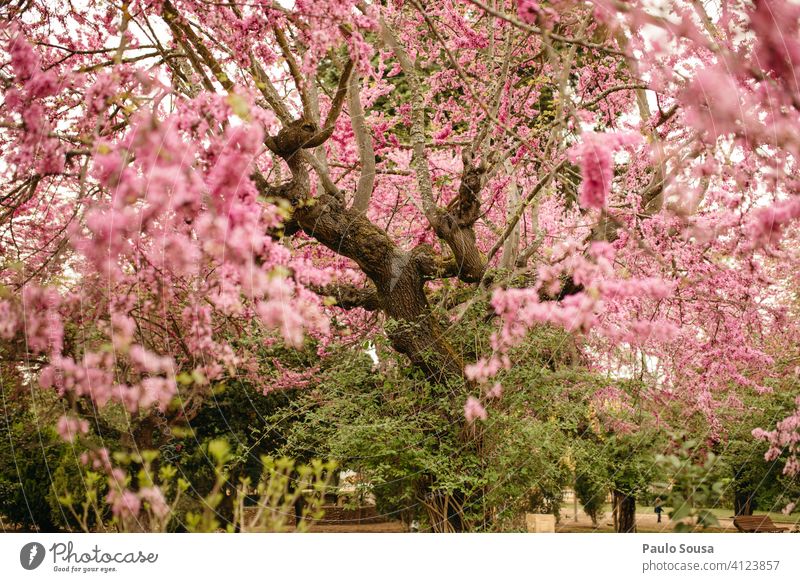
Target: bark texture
[[623, 507], [397, 276]]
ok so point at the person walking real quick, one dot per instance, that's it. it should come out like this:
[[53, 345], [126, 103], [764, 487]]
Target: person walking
[[658, 508]]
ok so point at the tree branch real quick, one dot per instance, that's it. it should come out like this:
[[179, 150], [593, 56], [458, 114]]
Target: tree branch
[[366, 152], [418, 159], [539, 32], [178, 27], [336, 108], [349, 296], [299, 82], [521, 209]]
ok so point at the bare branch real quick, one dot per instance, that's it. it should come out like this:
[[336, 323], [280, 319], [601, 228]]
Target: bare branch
[[269, 92], [366, 153], [336, 108], [294, 69], [539, 32], [512, 222], [176, 24], [432, 265], [418, 159], [498, 97]]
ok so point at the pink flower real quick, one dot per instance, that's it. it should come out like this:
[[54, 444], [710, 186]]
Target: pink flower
[[529, 10], [474, 409], [483, 369], [775, 23], [602, 250], [496, 391], [23, 58], [715, 102], [766, 228], [155, 391], [43, 326], [8, 320], [155, 499], [147, 361], [595, 155], [597, 172], [42, 85], [124, 503], [69, 427], [444, 133]]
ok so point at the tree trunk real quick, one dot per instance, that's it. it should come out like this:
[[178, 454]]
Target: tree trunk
[[398, 277], [445, 511], [623, 508], [511, 245], [743, 503]]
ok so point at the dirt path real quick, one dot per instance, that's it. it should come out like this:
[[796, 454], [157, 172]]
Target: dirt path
[[645, 523]]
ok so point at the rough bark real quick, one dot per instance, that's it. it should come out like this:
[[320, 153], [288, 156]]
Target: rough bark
[[623, 508], [397, 276]]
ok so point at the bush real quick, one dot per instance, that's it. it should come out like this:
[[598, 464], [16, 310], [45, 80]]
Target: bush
[[27, 461]]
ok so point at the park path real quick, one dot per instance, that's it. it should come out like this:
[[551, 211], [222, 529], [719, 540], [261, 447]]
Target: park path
[[645, 522]]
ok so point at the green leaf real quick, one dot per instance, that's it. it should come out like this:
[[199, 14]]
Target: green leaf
[[239, 106], [682, 510], [219, 449]]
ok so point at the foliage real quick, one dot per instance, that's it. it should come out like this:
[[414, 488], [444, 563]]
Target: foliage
[[558, 224], [28, 460], [696, 484], [385, 422], [758, 483], [141, 494]]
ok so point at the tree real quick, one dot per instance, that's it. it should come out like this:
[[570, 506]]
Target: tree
[[186, 184]]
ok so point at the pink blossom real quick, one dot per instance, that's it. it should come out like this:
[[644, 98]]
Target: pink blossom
[[284, 317], [717, 105], [124, 503], [8, 320], [158, 391], [42, 85], [69, 427], [650, 286], [767, 224], [595, 155], [154, 498], [483, 369], [150, 362], [603, 250], [44, 329], [496, 391], [528, 10], [775, 23], [473, 409], [23, 58]]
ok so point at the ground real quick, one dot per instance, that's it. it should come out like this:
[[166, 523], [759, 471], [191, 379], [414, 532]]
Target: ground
[[646, 523]]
